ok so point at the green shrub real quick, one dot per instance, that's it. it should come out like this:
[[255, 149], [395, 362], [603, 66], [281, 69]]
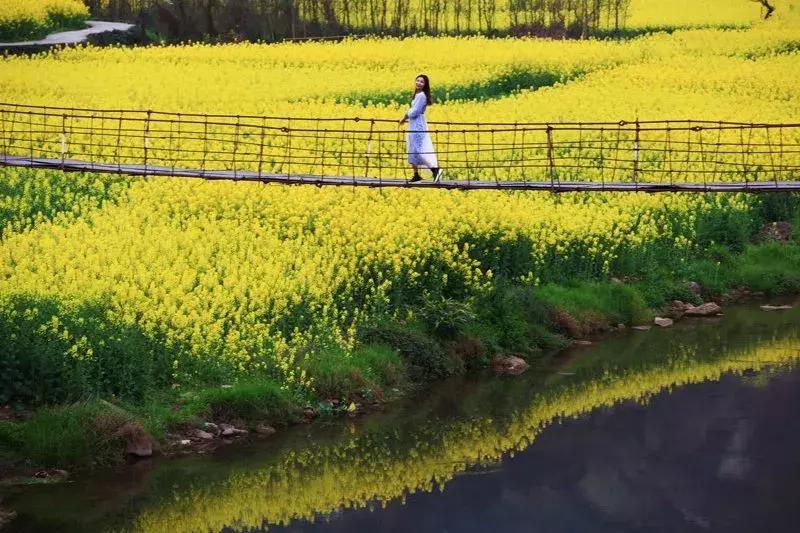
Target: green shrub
[[662, 288], [423, 357], [778, 206], [506, 257], [517, 321], [445, 317], [713, 270], [729, 227]]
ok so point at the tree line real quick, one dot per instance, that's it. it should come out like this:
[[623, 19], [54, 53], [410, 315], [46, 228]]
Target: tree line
[[226, 20]]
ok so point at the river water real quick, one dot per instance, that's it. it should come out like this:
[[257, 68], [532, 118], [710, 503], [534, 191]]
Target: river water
[[689, 428]]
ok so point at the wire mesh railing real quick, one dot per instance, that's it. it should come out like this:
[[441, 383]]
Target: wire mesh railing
[[663, 155]]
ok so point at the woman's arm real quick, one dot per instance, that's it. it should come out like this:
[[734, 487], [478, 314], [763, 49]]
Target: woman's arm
[[417, 106], [416, 109]]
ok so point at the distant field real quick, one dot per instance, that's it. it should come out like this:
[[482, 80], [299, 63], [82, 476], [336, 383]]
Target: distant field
[[683, 13], [28, 19]]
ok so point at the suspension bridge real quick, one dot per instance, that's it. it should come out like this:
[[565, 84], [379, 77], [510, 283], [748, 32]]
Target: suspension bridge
[[638, 155]]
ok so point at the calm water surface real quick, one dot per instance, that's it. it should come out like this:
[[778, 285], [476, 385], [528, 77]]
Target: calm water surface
[[691, 428]]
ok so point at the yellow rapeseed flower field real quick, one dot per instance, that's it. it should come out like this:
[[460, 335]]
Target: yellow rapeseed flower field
[[682, 13], [231, 278]]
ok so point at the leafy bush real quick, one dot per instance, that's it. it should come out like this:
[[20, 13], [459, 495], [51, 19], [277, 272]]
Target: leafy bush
[[445, 317], [517, 319], [424, 358], [731, 228], [778, 206]]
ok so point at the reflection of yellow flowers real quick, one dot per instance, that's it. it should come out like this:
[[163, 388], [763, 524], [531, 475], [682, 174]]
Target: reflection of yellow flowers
[[247, 274], [387, 465]]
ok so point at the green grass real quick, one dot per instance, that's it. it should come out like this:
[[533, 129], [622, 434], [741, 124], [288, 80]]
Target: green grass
[[423, 355], [772, 268], [514, 318], [372, 367], [261, 399], [597, 305], [87, 433], [82, 434], [45, 343]]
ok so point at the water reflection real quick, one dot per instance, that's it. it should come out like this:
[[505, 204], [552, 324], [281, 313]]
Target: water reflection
[[625, 448]]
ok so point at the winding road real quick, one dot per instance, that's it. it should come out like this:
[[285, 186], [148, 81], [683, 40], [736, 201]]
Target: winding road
[[72, 37]]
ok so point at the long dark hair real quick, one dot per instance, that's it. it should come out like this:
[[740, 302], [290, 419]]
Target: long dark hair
[[426, 89]]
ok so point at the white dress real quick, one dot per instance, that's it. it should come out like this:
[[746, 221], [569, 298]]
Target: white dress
[[419, 143]]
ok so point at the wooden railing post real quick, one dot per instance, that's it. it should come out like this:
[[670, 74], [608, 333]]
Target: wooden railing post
[[636, 154], [145, 140], [551, 161], [63, 139]]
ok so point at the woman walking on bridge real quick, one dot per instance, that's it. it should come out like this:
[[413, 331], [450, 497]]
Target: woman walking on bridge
[[419, 144]]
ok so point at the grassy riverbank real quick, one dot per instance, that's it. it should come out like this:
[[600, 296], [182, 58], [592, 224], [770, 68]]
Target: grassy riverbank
[[439, 338]]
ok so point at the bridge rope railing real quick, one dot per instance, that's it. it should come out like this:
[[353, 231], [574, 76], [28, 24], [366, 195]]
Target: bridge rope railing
[[647, 155]]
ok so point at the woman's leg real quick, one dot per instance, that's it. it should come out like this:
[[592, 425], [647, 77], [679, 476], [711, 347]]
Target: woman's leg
[[429, 156], [416, 177]]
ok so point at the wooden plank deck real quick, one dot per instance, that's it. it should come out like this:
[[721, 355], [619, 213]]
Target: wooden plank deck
[[71, 165]]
